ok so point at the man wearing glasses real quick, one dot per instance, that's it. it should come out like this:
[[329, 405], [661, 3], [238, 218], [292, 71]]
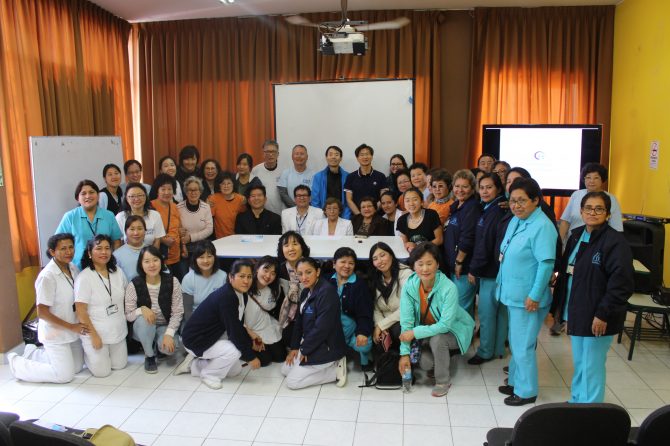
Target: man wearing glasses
[[268, 173], [302, 216]]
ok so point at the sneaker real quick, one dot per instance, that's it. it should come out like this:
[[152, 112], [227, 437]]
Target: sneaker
[[212, 383], [185, 366], [440, 390], [150, 365], [160, 356], [341, 373], [10, 358], [477, 360], [557, 328]]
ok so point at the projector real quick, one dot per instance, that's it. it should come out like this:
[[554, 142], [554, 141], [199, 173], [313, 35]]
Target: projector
[[343, 43]]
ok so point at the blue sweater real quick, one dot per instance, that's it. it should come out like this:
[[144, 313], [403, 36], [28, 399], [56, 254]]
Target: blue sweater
[[357, 304], [459, 235], [320, 188]]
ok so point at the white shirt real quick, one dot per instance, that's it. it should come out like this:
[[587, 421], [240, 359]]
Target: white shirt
[[343, 227], [303, 225], [259, 320], [155, 228], [92, 289], [398, 214], [572, 214], [55, 290], [270, 179]]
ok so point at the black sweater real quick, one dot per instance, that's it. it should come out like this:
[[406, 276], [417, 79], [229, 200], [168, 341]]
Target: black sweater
[[357, 304], [459, 235], [484, 262]]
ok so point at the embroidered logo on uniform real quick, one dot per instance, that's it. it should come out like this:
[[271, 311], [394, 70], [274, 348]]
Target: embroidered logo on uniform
[[309, 310], [596, 260]]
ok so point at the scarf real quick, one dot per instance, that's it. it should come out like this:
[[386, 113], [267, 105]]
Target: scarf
[[289, 307]]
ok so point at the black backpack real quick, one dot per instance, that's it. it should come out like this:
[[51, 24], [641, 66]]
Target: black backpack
[[386, 375]]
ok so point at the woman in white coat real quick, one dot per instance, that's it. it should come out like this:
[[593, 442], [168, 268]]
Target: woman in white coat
[[332, 224], [58, 329], [99, 293]]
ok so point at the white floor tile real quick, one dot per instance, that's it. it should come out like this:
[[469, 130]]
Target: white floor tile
[[373, 394], [420, 393], [180, 382], [427, 435], [637, 416], [471, 415], [114, 379], [28, 410], [166, 399], [236, 427], [552, 395], [331, 433], [191, 424], [638, 398], [172, 440], [67, 414], [249, 405], [14, 390], [126, 397], [373, 433], [52, 393], [426, 413], [102, 415], [380, 412], [222, 442], [140, 378], [142, 438], [88, 394], [259, 385], [207, 402], [349, 392], [287, 407], [664, 395], [229, 385], [148, 421], [308, 392], [468, 436], [282, 430], [335, 410], [468, 395], [656, 380], [506, 416], [471, 376]]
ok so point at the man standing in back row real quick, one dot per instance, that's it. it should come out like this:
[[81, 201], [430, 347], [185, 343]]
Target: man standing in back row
[[365, 181], [268, 173], [298, 175]]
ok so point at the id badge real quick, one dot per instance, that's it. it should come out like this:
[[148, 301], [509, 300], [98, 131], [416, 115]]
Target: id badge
[[112, 309], [570, 269]]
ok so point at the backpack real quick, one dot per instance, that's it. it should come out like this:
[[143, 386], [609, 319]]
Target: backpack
[[386, 375]]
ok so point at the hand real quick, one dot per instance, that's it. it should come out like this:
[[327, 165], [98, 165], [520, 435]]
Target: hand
[[168, 241], [361, 340], [598, 327], [81, 329], [255, 364], [409, 246], [377, 335], [148, 315], [291, 357], [472, 279], [552, 280], [186, 237], [404, 364], [303, 358], [407, 336], [258, 345], [184, 251], [457, 270], [531, 305], [168, 344], [96, 342], [504, 204]]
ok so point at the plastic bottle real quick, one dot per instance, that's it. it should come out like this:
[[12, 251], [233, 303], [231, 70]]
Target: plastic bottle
[[407, 380]]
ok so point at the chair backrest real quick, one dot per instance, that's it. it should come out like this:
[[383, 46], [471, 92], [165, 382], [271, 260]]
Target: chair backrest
[[25, 433], [560, 424], [655, 429], [6, 419]]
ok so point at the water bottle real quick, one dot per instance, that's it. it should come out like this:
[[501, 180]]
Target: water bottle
[[407, 380]]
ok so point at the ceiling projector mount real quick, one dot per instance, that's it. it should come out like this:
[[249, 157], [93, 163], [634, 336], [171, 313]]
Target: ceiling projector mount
[[346, 36]]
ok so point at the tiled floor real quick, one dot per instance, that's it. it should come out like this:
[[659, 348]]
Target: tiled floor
[[257, 408]]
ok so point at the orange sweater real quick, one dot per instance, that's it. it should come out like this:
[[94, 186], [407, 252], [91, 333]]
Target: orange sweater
[[224, 213], [442, 209], [172, 223]]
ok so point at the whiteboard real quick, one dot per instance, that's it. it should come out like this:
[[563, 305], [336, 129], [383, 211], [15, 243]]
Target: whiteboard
[[58, 164], [346, 114]]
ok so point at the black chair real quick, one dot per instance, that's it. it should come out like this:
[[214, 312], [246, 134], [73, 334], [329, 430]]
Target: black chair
[[561, 424], [641, 304], [25, 433], [6, 419], [654, 430]]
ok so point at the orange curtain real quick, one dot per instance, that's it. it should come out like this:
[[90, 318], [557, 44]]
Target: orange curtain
[[64, 70], [209, 82]]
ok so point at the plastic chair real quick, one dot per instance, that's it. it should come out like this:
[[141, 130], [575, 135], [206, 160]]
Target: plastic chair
[[25, 433], [654, 430], [561, 424], [6, 419]]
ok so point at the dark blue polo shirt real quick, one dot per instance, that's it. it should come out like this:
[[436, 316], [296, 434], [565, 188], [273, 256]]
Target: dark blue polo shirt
[[363, 185]]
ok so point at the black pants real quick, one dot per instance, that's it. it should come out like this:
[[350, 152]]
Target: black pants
[[273, 353]]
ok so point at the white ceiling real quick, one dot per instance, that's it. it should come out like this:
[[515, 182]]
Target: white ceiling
[[158, 10]]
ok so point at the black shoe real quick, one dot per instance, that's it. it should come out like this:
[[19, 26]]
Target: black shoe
[[369, 367], [506, 390], [477, 360], [506, 370], [150, 364], [515, 400], [161, 356]]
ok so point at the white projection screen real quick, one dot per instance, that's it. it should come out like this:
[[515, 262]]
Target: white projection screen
[[379, 113]]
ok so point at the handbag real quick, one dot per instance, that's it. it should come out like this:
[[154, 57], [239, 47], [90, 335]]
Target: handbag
[[29, 328], [415, 345], [108, 435]]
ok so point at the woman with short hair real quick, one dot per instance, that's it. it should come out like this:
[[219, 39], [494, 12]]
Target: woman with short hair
[[367, 222], [210, 169], [111, 196], [195, 215], [203, 278], [332, 223], [418, 225], [137, 203], [126, 256], [170, 244], [225, 204]]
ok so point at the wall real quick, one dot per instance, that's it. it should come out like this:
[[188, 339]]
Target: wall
[[640, 99]]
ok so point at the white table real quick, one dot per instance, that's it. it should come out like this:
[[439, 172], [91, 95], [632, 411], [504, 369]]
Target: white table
[[321, 247]]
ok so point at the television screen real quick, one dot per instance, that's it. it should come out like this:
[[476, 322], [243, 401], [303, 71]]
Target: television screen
[[553, 154]]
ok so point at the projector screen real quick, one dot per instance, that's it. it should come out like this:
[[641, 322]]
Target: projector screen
[[379, 113], [553, 154]]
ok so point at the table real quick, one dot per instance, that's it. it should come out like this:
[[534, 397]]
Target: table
[[639, 267], [321, 247]]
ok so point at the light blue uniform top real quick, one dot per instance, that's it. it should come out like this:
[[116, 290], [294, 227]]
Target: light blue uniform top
[[200, 287], [76, 222], [528, 253], [126, 259]]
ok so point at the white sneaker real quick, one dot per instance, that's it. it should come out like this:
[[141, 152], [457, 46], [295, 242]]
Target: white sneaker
[[10, 358], [341, 373], [185, 366], [212, 383]]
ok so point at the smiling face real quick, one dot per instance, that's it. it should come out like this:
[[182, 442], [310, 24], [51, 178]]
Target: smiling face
[[396, 165], [418, 178], [388, 205], [426, 268], [88, 198], [344, 267], [487, 190], [241, 281], [206, 263], [299, 157], [151, 265], [193, 193], [134, 174], [413, 202], [189, 164], [308, 275], [168, 166], [136, 198], [292, 250], [332, 211], [439, 189], [257, 199], [243, 167], [227, 187], [367, 209], [101, 253], [333, 158], [382, 260], [266, 275], [135, 234], [113, 177], [403, 182], [302, 198], [64, 252], [463, 189], [210, 170], [364, 157], [165, 193], [593, 182], [522, 206]]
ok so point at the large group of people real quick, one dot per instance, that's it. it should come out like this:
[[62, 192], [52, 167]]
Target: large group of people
[[135, 262]]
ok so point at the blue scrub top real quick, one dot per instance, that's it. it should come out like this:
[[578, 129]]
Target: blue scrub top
[[528, 253], [76, 222]]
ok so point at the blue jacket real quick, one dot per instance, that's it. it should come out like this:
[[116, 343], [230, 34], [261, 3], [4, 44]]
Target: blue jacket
[[484, 261], [602, 281], [357, 304], [459, 235], [320, 187], [450, 317], [529, 251], [317, 331], [216, 315]]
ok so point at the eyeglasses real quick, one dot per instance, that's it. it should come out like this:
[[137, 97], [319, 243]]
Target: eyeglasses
[[397, 164], [271, 152], [598, 210], [301, 196], [521, 202], [136, 197]]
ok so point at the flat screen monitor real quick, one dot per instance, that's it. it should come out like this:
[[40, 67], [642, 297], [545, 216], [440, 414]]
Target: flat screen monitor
[[553, 154]]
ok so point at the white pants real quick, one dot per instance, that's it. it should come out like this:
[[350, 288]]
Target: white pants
[[219, 361], [53, 363], [110, 357], [301, 376]]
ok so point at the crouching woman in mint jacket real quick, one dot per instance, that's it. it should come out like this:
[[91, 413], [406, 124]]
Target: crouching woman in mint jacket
[[430, 313]]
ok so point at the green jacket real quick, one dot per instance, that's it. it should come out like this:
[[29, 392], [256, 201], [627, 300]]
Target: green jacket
[[450, 317]]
